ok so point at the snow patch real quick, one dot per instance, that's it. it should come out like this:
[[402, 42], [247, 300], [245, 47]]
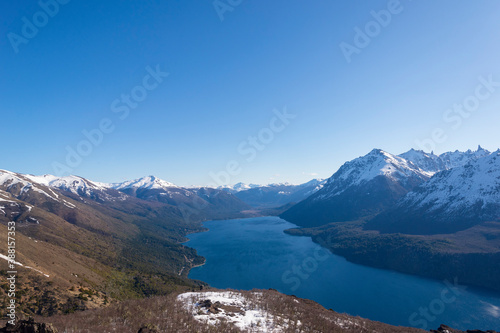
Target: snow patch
[[247, 316], [19, 264]]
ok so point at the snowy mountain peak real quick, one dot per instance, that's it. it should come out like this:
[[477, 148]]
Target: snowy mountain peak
[[375, 163], [149, 182], [376, 151]]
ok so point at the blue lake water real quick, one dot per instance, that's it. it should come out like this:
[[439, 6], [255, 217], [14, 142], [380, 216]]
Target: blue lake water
[[255, 253]]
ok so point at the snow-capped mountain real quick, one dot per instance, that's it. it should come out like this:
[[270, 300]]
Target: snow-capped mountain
[[376, 163], [276, 195], [77, 185], [148, 183], [452, 200], [48, 185], [361, 187], [19, 185], [21, 198], [152, 188], [238, 187], [435, 163]]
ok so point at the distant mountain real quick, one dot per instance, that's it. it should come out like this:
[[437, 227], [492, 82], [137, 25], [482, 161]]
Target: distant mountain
[[238, 187], [148, 183], [452, 200], [277, 195], [364, 186], [196, 203]]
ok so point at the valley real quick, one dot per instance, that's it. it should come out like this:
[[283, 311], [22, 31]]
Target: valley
[[88, 245]]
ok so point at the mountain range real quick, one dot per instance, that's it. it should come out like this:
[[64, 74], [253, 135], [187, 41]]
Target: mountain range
[[371, 184], [276, 195], [417, 212]]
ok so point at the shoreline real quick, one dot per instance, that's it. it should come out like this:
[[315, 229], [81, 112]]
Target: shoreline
[[203, 264]]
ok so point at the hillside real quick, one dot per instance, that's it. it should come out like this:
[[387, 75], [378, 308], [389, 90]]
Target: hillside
[[88, 236], [220, 311]]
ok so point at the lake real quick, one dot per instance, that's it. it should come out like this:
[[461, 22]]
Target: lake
[[256, 253]]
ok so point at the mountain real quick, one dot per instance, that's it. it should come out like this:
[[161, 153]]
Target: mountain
[[435, 163], [452, 200], [149, 183], [78, 186], [364, 186], [277, 195]]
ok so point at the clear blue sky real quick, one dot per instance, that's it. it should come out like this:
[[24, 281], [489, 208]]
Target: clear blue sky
[[226, 78]]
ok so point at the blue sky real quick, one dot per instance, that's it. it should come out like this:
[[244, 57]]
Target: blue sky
[[228, 78]]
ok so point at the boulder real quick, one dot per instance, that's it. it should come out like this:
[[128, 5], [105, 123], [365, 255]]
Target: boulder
[[28, 326], [148, 329], [446, 329]]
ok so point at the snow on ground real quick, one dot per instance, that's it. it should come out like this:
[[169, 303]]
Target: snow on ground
[[235, 308], [68, 204], [19, 264]]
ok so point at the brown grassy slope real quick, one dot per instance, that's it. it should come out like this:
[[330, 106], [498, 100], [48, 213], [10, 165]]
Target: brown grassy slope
[[68, 272], [59, 263], [122, 250]]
